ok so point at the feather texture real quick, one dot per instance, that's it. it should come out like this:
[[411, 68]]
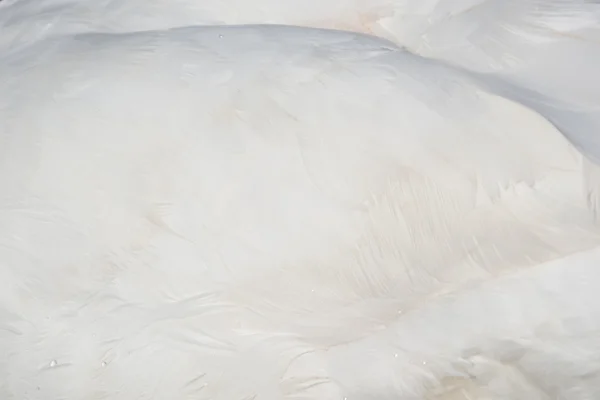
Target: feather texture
[[201, 211]]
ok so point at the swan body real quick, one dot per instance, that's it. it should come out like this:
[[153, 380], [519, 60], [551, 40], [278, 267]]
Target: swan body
[[195, 210]]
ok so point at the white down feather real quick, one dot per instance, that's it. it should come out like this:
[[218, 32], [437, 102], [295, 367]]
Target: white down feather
[[195, 210]]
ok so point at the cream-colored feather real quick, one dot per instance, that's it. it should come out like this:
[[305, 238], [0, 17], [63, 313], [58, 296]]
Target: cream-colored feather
[[276, 212]]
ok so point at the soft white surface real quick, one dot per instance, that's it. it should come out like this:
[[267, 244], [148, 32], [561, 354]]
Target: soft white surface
[[270, 212]]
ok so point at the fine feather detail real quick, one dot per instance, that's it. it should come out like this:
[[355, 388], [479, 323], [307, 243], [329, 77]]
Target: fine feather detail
[[276, 212]]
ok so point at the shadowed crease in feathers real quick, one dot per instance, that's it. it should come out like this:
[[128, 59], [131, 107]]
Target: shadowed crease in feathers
[[401, 208]]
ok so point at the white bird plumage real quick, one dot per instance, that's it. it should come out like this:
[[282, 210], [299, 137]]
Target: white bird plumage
[[196, 210]]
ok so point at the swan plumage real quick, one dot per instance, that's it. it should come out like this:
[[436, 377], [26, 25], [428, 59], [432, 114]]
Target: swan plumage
[[192, 209]]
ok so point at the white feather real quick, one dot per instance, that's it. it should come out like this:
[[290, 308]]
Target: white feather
[[277, 212]]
